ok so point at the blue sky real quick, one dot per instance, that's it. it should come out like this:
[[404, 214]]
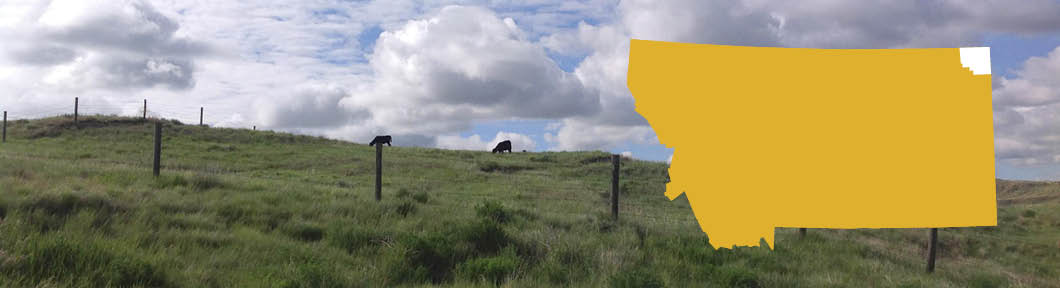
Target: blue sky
[[1007, 53], [466, 74]]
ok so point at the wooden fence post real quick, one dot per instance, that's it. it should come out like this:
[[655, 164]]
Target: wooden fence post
[[145, 109], [158, 148], [378, 171], [200, 116], [75, 111], [932, 246], [615, 159], [5, 127]]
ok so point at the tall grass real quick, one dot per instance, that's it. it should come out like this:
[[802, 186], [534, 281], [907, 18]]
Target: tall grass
[[238, 208]]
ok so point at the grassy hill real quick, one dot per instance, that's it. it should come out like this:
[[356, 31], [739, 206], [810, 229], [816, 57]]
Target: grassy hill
[[233, 207]]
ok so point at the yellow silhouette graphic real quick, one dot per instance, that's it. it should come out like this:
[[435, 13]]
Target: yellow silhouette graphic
[[820, 138]]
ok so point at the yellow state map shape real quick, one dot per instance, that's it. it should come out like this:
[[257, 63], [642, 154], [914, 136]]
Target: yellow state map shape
[[819, 138]]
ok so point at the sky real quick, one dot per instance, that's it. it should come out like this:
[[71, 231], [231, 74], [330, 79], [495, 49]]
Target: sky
[[548, 75]]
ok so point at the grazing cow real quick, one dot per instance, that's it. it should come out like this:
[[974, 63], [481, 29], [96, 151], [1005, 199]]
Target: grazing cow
[[380, 140], [503, 146]]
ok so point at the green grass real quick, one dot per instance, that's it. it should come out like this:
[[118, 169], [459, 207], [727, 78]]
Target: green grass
[[233, 207]]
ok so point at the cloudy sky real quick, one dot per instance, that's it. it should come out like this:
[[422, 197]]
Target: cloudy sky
[[549, 75]]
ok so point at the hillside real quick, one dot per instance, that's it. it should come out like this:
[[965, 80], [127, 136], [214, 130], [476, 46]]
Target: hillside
[[233, 207]]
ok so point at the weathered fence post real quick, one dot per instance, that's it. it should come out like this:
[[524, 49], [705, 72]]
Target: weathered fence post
[[145, 109], [932, 246], [802, 232], [5, 127], [158, 147], [616, 159], [255, 127], [75, 111], [378, 171], [200, 116]]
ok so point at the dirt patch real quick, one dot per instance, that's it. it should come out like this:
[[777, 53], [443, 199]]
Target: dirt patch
[[1026, 200], [1014, 188]]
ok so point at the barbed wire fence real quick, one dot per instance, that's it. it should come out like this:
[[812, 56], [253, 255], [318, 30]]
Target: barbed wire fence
[[191, 115], [211, 113]]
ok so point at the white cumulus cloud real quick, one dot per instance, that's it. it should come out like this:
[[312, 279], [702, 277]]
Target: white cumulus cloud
[[1027, 113], [424, 72]]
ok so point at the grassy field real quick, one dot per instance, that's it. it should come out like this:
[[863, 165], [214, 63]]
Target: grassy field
[[79, 208]]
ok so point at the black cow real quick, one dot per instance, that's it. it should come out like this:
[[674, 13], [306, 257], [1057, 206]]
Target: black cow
[[380, 140], [503, 146]]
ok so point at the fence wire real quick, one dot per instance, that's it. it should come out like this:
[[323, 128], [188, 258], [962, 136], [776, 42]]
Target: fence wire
[[186, 114], [557, 194]]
